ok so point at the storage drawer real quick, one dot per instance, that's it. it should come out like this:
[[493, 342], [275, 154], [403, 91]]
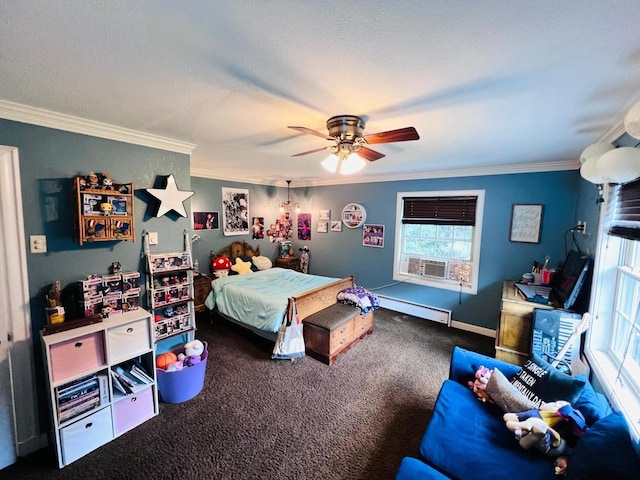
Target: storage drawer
[[126, 341], [341, 337], [132, 410], [362, 324], [80, 354], [86, 435]]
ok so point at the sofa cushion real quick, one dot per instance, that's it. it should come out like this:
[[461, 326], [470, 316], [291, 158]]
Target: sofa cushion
[[414, 469], [592, 405], [467, 438], [605, 451], [540, 382]]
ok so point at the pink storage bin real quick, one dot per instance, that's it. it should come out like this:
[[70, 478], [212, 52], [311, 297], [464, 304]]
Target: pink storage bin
[[77, 355]]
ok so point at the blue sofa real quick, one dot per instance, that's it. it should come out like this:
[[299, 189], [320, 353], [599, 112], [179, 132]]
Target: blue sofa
[[467, 438]]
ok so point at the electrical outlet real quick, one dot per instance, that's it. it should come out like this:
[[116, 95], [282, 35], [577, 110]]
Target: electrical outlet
[[153, 238], [582, 227], [38, 243]]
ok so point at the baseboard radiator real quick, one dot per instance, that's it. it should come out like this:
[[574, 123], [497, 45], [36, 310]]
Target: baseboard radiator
[[434, 314]]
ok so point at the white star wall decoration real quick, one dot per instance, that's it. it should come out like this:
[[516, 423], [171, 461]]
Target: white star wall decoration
[[170, 198]]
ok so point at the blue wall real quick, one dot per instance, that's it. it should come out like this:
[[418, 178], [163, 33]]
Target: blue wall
[[264, 201], [49, 159], [340, 254]]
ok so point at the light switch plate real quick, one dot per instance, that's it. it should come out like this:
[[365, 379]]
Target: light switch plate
[[153, 238]]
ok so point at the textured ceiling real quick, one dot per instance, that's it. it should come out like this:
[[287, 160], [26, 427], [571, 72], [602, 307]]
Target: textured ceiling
[[489, 85]]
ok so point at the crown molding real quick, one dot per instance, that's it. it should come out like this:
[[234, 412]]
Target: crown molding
[[349, 179], [70, 123]]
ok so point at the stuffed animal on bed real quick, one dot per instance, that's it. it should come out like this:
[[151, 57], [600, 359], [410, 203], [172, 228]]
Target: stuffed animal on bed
[[241, 267]]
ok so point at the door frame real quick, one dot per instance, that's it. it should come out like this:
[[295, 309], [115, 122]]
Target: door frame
[[15, 306]]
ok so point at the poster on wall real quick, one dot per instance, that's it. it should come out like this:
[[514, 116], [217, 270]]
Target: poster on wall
[[304, 226], [257, 228], [281, 229], [373, 235], [206, 220], [235, 211]]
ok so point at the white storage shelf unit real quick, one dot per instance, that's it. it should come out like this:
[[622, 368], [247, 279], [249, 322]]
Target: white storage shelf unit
[[74, 358]]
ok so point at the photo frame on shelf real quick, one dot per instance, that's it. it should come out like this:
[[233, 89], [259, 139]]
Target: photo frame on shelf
[[526, 223]]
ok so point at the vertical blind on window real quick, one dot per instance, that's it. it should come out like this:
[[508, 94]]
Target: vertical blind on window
[[439, 210], [624, 210]]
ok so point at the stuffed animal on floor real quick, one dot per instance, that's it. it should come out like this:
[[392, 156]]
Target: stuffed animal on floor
[[479, 385]]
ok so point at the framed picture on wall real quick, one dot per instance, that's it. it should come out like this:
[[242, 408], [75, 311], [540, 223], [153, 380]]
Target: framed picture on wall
[[206, 220], [325, 214], [373, 235], [336, 225], [322, 227], [526, 223], [235, 211]]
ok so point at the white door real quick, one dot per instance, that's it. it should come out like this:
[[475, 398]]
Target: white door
[[18, 409]]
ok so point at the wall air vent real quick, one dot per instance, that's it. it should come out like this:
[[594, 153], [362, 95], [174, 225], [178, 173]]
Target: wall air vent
[[433, 268]]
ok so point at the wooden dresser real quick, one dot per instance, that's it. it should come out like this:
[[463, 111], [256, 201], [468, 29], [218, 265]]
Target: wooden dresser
[[513, 337]]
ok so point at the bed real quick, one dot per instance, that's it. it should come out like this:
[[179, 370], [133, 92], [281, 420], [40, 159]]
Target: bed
[[260, 300]]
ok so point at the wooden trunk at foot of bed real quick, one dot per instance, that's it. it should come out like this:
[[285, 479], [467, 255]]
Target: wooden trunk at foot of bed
[[313, 301]]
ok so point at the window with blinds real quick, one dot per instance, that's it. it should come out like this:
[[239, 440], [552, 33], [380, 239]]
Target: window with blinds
[[438, 238], [623, 212]]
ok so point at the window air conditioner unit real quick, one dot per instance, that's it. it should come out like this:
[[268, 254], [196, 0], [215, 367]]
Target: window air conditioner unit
[[433, 268]]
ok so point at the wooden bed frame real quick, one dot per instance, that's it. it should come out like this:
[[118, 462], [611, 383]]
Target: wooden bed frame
[[307, 303]]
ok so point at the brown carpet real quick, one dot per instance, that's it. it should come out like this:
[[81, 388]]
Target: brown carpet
[[257, 418]]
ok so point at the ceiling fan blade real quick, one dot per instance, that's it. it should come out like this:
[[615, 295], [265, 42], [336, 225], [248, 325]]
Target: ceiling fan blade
[[400, 135], [313, 132], [369, 154], [313, 151]]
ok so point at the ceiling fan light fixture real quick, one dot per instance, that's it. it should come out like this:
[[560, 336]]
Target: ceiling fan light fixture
[[351, 164], [344, 162]]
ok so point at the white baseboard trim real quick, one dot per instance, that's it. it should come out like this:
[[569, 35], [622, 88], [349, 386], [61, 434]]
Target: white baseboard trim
[[487, 332], [427, 312]]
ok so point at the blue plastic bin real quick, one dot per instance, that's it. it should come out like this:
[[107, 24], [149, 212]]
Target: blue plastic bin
[[182, 385]]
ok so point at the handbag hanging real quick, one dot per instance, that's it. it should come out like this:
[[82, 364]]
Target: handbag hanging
[[290, 340]]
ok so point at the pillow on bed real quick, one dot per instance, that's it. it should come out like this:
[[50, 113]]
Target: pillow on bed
[[246, 258], [241, 267], [261, 262]]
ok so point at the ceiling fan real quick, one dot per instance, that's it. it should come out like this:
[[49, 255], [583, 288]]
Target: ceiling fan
[[347, 133]]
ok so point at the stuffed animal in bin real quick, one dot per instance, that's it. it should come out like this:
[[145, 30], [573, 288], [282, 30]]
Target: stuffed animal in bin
[[189, 361], [175, 366], [194, 347], [479, 385]]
